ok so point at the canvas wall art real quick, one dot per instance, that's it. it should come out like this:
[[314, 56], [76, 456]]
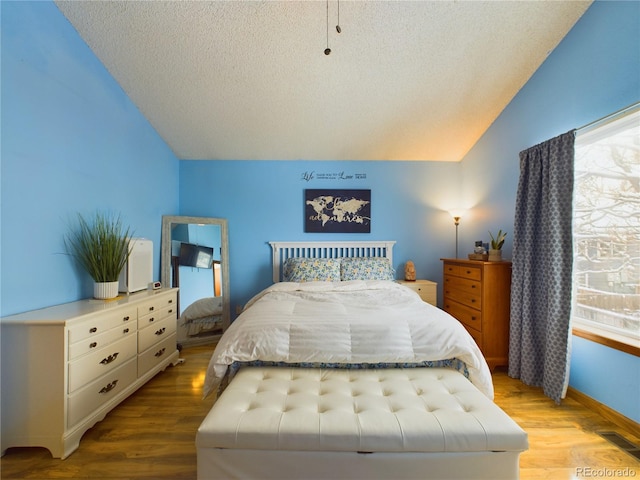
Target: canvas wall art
[[337, 211]]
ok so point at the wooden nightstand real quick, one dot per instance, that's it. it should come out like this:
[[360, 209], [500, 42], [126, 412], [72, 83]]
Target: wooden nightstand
[[427, 289]]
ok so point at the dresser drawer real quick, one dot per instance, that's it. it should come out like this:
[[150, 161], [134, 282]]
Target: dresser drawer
[[156, 354], [468, 316], [464, 271], [156, 316], [471, 299], [472, 273], [157, 303], [100, 323], [98, 341], [86, 400], [462, 284], [93, 365], [155, 333]]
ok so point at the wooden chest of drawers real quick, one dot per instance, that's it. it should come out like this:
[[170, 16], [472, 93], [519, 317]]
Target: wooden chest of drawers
[[478, 294], [65, 367]]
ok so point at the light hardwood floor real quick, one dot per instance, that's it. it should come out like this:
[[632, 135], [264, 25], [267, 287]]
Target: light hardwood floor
[[151, 435]]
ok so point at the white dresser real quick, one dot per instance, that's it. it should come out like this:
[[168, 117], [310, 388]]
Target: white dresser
[[65, 367]]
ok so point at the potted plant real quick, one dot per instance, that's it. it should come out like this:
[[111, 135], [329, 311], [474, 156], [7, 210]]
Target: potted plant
[[101, 245], [495, 252]]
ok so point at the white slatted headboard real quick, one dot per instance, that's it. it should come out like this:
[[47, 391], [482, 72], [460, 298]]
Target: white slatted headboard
[[284, 250]]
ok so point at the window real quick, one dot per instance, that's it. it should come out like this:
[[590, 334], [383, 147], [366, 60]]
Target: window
[[606, 229]]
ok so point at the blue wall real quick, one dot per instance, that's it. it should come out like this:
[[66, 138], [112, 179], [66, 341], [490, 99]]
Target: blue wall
[[594, 71], [263, 201], [72, 142]]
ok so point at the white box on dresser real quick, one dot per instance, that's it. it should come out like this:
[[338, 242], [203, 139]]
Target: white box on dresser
[[65, 367]]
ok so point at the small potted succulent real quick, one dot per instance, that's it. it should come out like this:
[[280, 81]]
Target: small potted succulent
[[495, 250], [101, 246]]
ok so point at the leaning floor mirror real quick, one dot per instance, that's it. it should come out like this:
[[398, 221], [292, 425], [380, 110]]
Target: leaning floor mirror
[[195, 258]]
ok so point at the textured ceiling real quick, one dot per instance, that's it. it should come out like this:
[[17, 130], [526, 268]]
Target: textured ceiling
[[237, 80]]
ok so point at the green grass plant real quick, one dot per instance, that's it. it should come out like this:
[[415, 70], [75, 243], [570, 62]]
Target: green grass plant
[[498, 241], [101, 245]]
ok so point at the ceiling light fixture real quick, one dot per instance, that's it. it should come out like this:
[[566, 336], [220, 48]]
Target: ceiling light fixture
[[327, 50]]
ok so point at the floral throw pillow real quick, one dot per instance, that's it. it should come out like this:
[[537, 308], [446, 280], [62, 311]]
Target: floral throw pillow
[[312, 270], [371, 268]]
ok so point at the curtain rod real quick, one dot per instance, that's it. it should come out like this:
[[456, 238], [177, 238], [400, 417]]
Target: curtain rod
[[607, 118]]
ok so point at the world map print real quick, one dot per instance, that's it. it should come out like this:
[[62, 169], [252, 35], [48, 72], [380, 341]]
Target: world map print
[[338, 211]]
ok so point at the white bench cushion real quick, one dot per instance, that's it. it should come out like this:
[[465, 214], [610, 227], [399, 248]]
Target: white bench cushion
[[391, 410]]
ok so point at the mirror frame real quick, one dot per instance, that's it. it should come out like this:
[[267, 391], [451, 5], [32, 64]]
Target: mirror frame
[[165, 277]]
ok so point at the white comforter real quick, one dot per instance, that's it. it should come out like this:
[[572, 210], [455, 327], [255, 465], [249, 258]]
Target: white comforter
[[345, 322]]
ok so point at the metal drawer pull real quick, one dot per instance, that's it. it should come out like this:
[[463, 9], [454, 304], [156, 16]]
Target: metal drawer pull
[[126, 319], [473, 286], [473, 300], [171, 301], [126, 330], [93, 345], [151, 309], [170, 310], [161, 331], [108, 387], [151, 319], [93, 330], [473, 318], [160, 352], [109, 359]]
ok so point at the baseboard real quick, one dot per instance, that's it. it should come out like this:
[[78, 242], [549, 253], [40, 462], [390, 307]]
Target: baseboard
[[604, 411]]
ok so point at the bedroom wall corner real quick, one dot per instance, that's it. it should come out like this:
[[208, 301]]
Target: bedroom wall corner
[[593, 72], [72, 142]]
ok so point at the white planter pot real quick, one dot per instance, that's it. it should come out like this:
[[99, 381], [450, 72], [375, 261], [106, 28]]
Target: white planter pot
[[105, 290], [495, 255]]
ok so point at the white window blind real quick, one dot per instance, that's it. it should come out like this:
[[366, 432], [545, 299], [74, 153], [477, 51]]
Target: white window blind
[[606, 228]]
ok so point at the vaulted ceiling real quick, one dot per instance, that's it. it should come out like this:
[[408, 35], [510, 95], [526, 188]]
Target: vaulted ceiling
[[405, 80]]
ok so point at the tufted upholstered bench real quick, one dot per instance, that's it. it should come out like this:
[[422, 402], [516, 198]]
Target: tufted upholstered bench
[[323, 423]]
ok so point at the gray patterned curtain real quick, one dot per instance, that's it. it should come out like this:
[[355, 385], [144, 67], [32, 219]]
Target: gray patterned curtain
[[541, 284]]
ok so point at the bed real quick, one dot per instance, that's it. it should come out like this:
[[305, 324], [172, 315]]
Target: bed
[[337, 371], [202, 316]]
